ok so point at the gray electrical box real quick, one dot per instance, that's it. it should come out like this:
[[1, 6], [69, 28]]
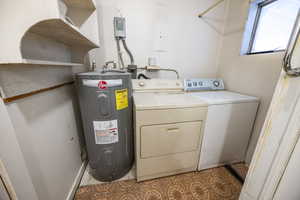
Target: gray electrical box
[[106, 109], [120, 27]]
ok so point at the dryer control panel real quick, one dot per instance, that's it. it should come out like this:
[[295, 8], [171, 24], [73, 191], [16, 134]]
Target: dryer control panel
[[203, 84], [157, 85]]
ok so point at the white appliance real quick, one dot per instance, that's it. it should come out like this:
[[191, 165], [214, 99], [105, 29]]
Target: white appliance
[[169, 126], [229, 122]]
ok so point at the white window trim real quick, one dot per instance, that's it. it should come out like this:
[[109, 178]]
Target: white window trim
[[251, 27]]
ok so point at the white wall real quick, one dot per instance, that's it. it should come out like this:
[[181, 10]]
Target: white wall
[[44, 131], [208, 47], [40, 135], [47, 131], [39, 144], [166, 29], [255, 75], [12, 158]]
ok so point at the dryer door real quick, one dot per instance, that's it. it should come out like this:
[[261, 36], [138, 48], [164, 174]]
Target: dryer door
[[165, 139]]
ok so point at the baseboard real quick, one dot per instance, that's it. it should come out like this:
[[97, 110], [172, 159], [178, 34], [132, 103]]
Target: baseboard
[[77, 181], [165, 174], [219, 165]]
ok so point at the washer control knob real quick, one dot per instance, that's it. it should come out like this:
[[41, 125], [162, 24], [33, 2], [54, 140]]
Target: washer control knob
[[142, 84], [216, 83]]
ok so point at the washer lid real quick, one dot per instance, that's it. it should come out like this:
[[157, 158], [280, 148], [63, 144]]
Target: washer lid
[[223, 97], [152, 101]]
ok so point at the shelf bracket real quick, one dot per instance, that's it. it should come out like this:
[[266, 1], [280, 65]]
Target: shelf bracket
[[22, 96], [210, 8]]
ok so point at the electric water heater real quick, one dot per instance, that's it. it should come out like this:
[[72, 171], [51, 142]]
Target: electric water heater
[[106, 108]]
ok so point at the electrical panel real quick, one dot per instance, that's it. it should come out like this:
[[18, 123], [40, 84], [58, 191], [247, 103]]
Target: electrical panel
[[120, 27]]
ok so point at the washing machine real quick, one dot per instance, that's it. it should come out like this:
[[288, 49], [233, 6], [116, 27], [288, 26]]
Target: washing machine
[[169, 127], [229, 123]]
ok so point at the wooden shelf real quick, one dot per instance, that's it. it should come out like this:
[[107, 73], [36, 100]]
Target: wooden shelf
[[64, 32], [44, 62], [58, 32], [22, 96], [84, 4], [52, 63]]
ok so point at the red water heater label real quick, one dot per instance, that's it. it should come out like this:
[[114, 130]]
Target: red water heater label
[[102, 85]]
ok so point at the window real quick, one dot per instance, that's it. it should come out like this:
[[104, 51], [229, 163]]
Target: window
[[270, 24]]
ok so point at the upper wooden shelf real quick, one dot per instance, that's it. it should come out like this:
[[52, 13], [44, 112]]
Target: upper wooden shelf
[[50, 63], [45, 63], [56, 32], [62, 31]]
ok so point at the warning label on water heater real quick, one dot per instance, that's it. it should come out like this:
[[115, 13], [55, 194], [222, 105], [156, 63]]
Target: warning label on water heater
[[121, 99], [106, 132]]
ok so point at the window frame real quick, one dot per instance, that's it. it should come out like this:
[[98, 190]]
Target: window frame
[[251, 28]]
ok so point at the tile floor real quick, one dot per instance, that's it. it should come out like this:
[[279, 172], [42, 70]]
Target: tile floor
[[211, 184], [87, 179]]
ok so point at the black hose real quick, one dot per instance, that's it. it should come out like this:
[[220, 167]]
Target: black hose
[[128, 51], [142, 76]]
